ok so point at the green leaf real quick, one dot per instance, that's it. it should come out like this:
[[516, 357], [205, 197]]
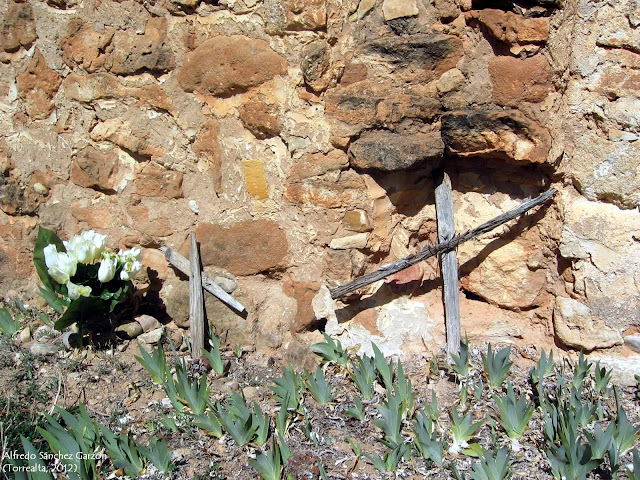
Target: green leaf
[[79, 308], [158, 453], [491, 468], [46, 237], [363, 373], [331, 350], [9, 325], [357, 411], [269, 465], [155, 365], [38, 469], [384, 369], [318, 386], [54, 301]]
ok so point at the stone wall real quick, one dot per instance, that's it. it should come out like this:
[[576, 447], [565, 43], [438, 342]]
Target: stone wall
[[298, 139]]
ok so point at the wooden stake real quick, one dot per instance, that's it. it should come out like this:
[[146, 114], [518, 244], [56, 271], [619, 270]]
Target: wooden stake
[[182, 264], [431, 250], [196, 300], [448, 260]]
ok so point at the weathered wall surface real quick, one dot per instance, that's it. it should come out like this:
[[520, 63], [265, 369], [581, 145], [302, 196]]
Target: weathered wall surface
[[298, 139]]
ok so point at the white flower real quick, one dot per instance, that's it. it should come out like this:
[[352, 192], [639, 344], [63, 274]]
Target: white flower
[[130, 270], [108, 267], [62, 266], [76, 291], [96, 241], [50, 255], [129, 255], [86, 247]]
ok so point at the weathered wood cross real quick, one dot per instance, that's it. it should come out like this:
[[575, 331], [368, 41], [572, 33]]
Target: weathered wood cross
[[448, 241]]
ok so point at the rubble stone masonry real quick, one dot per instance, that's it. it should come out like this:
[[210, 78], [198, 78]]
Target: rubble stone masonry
[[298, 140]]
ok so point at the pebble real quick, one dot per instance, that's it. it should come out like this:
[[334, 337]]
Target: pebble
[[152, 337], [633, 342], [177, 337], [251, 394], [129, 330], [44, 332], [40, 188], [39, 348], [147, 322], [227, 284], [193, 206], [25, 335]]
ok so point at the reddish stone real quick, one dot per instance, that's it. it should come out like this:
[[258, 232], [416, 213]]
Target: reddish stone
[[207, 147], [123, 52], [368, 319], [37, 86], [130, 241], [618, 82], [306, 14], [503, 134], [45, 178], [95, 217], [247, 248], [156, 181], [394, 108], [18, 28], [509, 27], [130, 53], [135, 141], [316, 164], [94, 169], [83, 46], [224, 66], [518, 80], [406, 281], [15, 267], [354, 104], [154, 260], [88, 88], [353, 73], [140, 221], [348, 189], [371, 104], [303, 292], [260, 119]]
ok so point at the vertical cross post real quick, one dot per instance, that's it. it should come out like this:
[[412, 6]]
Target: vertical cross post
[[448, 260], [196, 303]]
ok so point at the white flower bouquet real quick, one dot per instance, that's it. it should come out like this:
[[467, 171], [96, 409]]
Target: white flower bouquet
[[81, 279]]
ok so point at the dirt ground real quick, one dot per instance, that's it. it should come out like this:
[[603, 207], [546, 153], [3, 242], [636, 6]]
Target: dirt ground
[[118, 392]]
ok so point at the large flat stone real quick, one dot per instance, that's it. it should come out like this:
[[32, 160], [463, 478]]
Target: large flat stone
[[246, 248], [517, 80], [388, 151], [431, 54], [94, 169], [602, 243], [226, 65], [576, 326], [371, 104], [503, 134]]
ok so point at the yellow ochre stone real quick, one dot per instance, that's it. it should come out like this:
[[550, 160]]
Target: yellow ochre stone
[[255, 179]]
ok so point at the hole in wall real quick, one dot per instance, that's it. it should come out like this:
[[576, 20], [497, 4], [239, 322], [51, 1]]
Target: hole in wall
[[472, 296]]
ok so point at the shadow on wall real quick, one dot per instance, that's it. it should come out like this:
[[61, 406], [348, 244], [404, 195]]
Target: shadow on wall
[[482, 189]]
